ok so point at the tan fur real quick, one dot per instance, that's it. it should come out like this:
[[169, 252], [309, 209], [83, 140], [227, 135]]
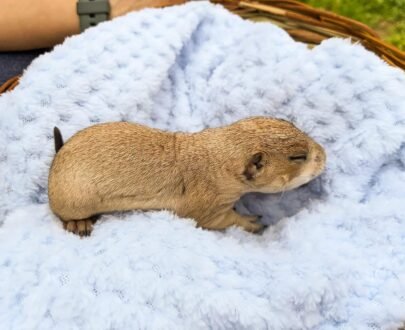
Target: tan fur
[[122, 166]]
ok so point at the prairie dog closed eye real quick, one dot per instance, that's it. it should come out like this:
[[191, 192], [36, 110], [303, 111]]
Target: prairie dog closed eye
[[124, 166]]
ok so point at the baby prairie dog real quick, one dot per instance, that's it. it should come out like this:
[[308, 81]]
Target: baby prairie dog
[[123, 166]]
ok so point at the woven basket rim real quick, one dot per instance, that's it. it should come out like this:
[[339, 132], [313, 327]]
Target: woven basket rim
[[311, 25]]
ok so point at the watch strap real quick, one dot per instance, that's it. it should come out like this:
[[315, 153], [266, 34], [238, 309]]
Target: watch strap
[[92, 12]]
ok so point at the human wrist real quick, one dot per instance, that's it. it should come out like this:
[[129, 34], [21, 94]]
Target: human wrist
[[122, 7]]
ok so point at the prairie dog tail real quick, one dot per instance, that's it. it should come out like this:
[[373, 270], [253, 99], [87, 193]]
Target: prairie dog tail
[[58, 139]]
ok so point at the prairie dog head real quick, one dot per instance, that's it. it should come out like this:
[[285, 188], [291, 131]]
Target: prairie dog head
[[279, 156]]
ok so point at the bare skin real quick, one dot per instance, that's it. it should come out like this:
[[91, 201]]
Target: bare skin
[[27, 24], [122, 166]]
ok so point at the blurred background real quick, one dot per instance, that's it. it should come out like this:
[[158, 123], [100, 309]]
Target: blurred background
[[387, 17]]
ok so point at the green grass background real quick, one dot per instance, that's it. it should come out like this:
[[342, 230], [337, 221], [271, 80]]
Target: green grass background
[[387, 17]]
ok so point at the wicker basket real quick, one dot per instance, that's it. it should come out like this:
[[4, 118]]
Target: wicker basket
[[9, 84], [310, 25], [304, 23]]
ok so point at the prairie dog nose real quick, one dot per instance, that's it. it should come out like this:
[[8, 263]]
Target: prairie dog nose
[[319, 158], [318, 154]]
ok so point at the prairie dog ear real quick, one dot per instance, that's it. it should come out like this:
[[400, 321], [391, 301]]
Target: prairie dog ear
[[254, 166]]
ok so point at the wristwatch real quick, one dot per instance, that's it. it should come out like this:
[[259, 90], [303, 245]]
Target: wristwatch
[[92, 12]]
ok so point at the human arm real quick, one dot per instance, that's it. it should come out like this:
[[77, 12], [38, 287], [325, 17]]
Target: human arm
[[28, 24]]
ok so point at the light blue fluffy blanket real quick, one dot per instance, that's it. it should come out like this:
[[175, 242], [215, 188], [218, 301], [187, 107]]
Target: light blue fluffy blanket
[[334, 254]]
